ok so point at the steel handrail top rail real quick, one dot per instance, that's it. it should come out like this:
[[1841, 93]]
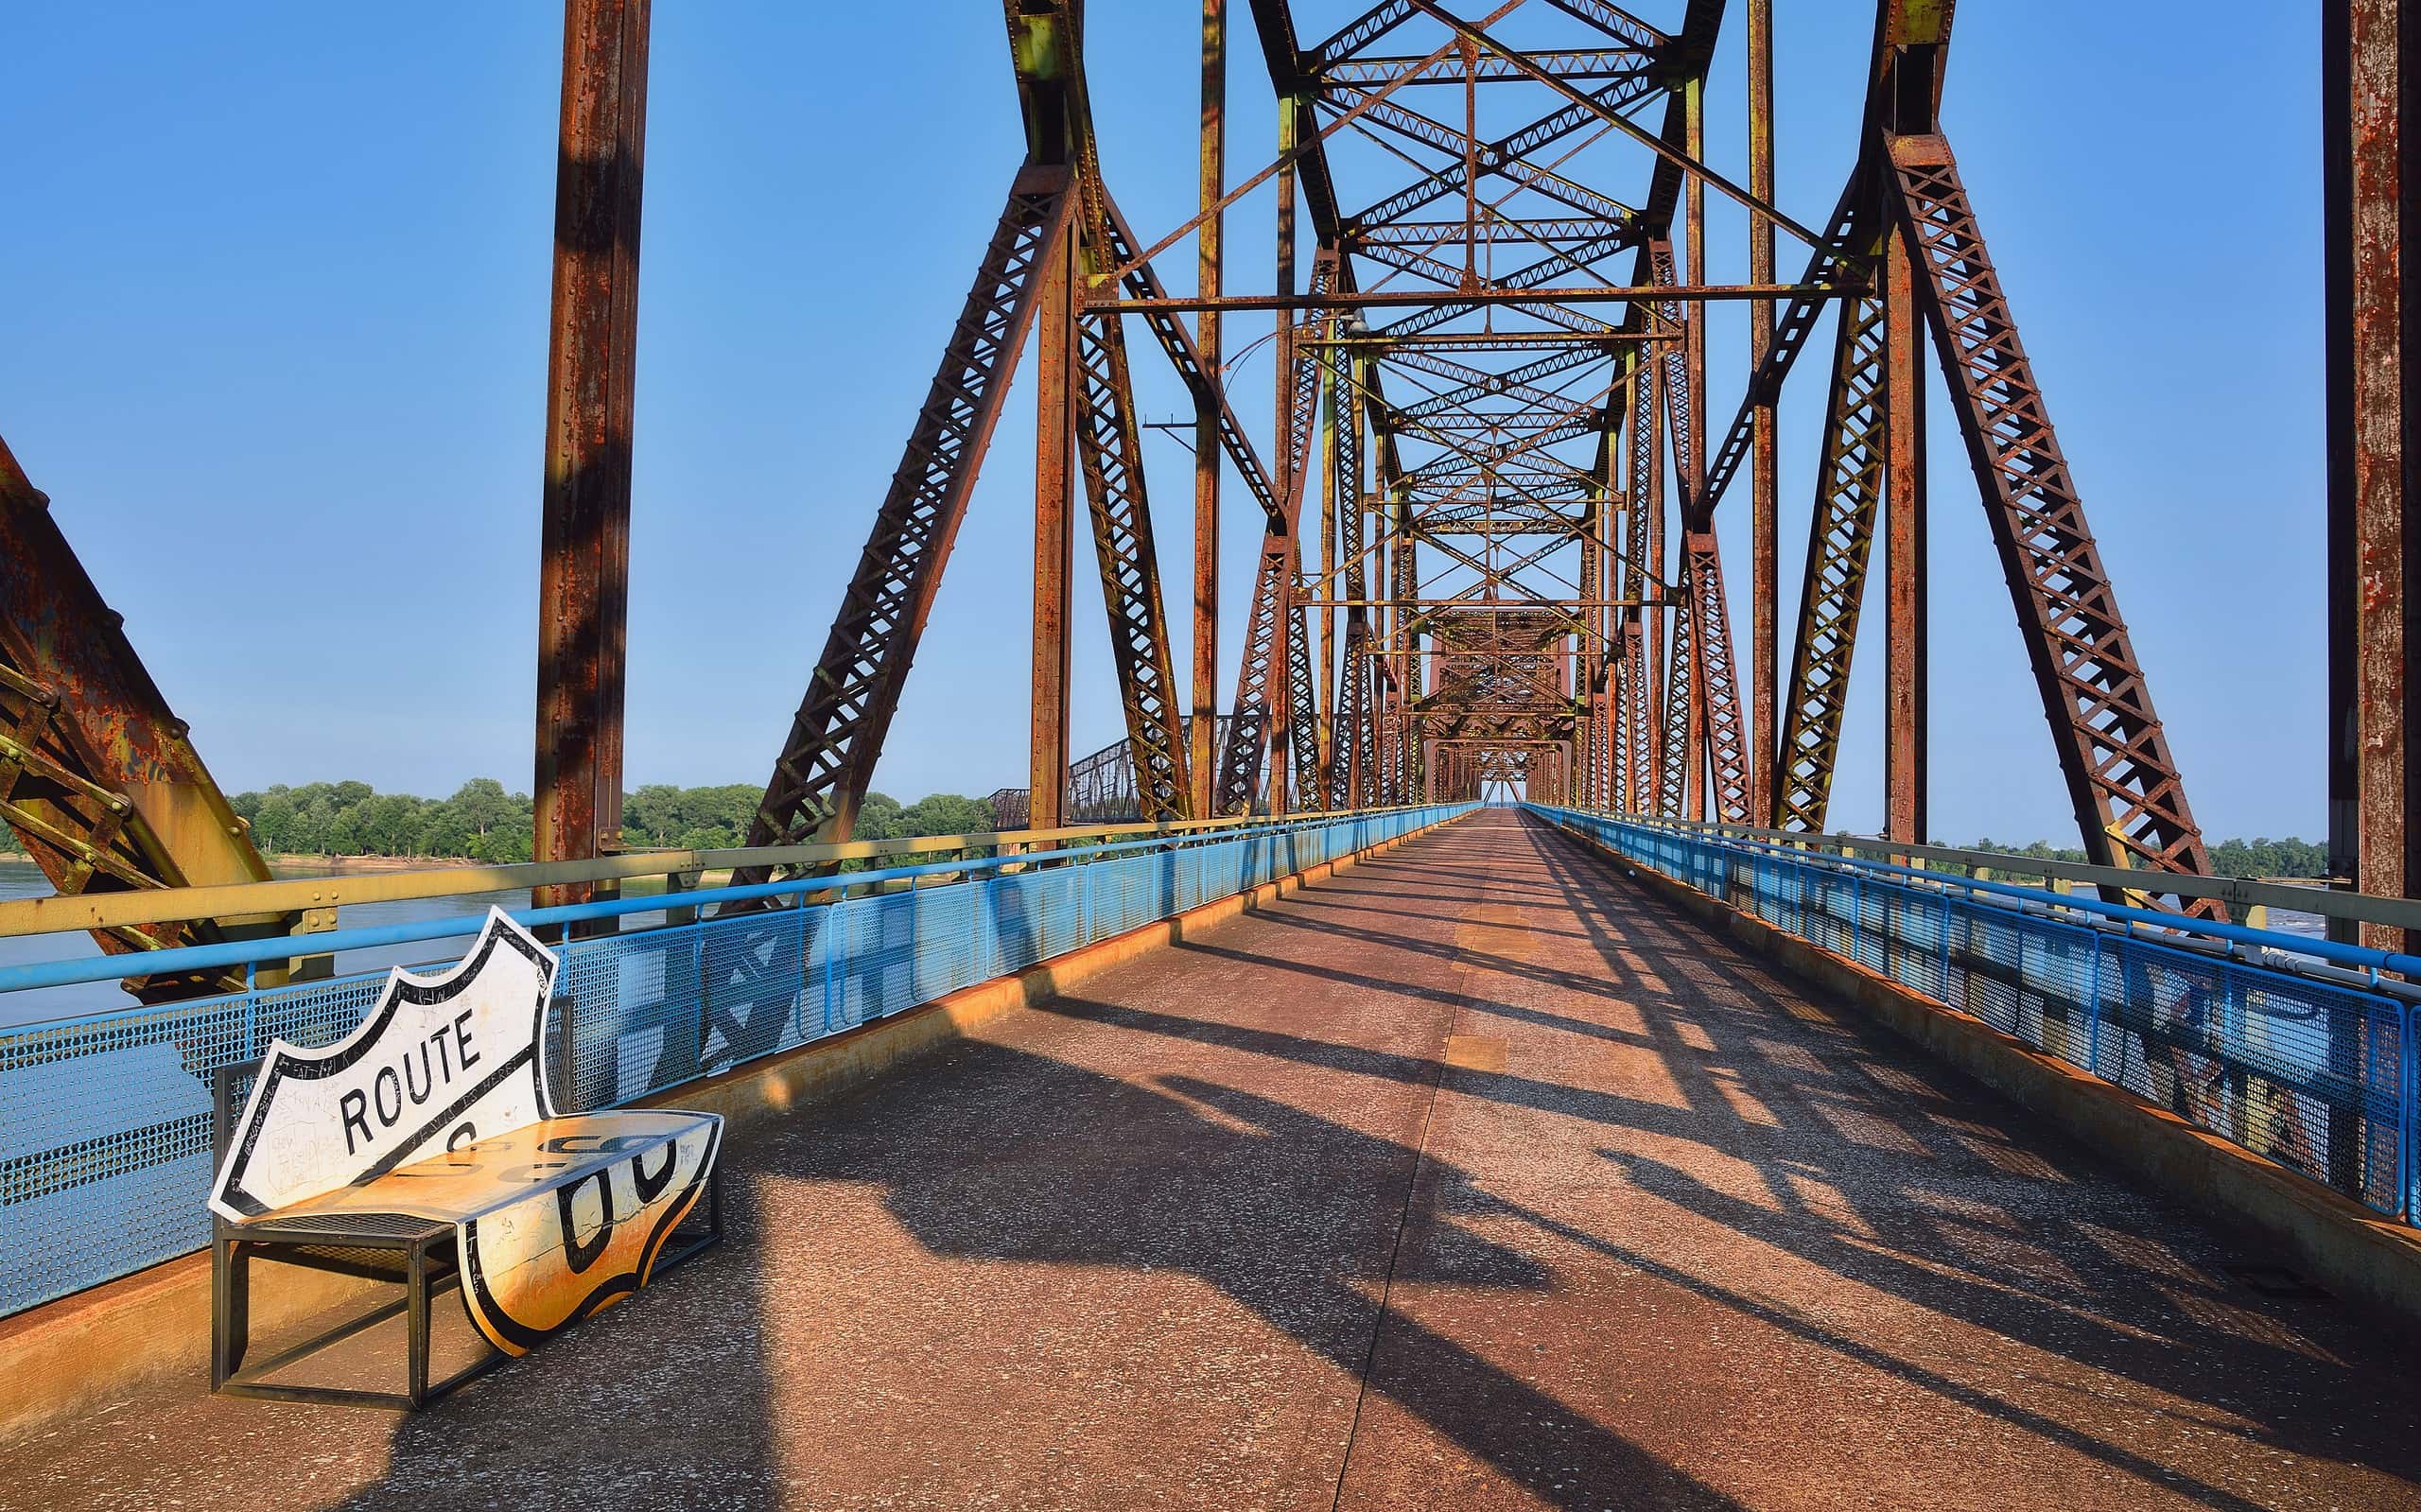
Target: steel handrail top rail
[[38, 974], [2329, 902], [2356, 957], [62, 913]]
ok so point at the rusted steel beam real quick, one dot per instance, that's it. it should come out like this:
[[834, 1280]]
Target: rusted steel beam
[[1905, 658], [828, 759], [2374, 532], [98, 778], [1259, 681], [584, 546], [1646, 558], [1290, 714], [1212, 175], [1718, 689], [1694, 292], [1765, 583], [1304, 713], [1677, 769], [2130, 799], [1055, 442], [1110, 453], [1840, 540], [1201, 380]]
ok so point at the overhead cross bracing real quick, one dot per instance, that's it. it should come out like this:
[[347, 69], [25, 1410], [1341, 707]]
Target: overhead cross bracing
[[1480, 258], [1491, 387], [1492, 379]]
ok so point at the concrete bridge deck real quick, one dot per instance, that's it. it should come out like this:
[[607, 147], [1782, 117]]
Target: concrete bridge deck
[[1472, 1177]]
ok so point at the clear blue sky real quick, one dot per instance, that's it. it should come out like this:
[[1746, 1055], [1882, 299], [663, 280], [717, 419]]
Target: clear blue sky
[[273, 310]]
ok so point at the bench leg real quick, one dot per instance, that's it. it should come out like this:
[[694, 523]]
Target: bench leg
[[416, 1326], [230, 1297]]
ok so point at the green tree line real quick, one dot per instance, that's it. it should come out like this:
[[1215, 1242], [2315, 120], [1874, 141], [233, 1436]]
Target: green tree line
[[2262, 857], [485, 822]]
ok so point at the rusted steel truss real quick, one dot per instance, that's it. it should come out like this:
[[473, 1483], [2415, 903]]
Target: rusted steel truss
[[98, 780], [828, 762], [1258, 686], [1718, 685], [1840, 540], [1109, 450], [2129, 801]]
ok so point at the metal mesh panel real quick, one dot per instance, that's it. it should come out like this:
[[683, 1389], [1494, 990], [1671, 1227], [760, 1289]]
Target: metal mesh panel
[[874, 967], [2323, 1078], [105, 1120], [1037, 915], [953, 947], [105, 1127]]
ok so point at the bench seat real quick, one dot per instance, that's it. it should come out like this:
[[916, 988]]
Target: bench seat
[[431, 1146], [538, 1228], [475, 1180]]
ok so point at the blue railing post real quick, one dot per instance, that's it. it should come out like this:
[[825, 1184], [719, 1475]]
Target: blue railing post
[[2093, 1009], [1947, 909], [833, 922], [1858, 919], [2408, 1159]]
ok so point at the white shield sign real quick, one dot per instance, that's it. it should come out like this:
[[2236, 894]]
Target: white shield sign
[[440, 1062]]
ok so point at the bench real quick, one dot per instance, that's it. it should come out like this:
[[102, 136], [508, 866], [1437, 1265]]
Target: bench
[[426, 1149]]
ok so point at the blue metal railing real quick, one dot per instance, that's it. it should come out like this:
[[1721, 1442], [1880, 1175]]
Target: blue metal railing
[[2296, 1049], [105, 1118]]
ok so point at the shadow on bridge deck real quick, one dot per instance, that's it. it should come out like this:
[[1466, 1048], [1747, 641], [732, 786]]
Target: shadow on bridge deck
[[1472, 1177]]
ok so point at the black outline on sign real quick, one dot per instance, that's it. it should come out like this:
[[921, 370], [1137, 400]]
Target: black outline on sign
[[510, 1333], [286, 1061]]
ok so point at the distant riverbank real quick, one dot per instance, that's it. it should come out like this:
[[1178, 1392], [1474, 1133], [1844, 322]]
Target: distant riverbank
[[303, 864]]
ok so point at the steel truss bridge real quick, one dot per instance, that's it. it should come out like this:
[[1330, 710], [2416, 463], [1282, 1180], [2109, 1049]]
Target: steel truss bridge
[[1485, 479]]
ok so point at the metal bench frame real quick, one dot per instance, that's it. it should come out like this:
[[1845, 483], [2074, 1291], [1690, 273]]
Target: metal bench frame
[[426, 1251]]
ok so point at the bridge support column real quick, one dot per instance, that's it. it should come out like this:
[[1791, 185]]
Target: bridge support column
[[584, 576], [1904, 551], [1765, 592], [1213, 175], [1054, 440], [2372, 538]]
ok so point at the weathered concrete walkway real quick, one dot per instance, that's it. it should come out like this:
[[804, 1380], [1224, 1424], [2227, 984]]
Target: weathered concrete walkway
[[1473, 1179]]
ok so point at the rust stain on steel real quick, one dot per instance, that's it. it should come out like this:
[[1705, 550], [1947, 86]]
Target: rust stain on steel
[[2383, 848], [584, 580], [1906, 779], [99, 778], [1053, 544]]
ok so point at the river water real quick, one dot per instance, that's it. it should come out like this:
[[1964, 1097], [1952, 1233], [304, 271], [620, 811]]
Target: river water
[[23, 878]]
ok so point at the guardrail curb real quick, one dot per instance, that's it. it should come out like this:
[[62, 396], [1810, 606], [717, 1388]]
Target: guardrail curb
[[2336, 1242], [95, 1347]]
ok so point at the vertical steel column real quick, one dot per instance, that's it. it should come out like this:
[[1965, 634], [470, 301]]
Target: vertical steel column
[[1764, 551], [1593, 592], [2371, 534], [1904, 549], [1054, 542], [1334, 368], [2374, 359], [1693, 486], [1284, 714], [584, 574], [1214, 177], [1648, 516]]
